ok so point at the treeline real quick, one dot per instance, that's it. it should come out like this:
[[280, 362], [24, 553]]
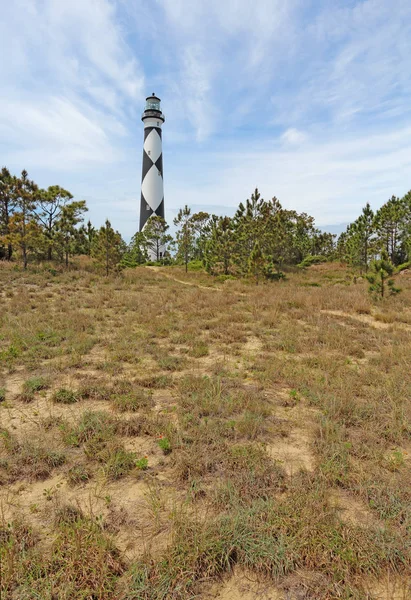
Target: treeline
[[261, 239], [388, 230], [39, 224]]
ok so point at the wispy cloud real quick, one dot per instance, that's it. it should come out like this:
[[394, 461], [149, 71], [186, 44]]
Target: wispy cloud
[[310, 101], [69, 83]]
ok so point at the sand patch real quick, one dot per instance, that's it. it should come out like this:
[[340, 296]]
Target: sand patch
[[14, 385], [366, 319], [293, 452], [189, 283], [242, 585], [391, 587], [252, 345], [351, 510]]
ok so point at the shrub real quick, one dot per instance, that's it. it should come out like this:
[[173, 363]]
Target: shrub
[[312, 260], [403, 267], [195, 265]]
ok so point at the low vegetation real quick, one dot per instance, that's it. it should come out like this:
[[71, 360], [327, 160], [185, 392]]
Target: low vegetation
[[165, 430]]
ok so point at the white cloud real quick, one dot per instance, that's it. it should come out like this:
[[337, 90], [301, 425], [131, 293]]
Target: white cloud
[[56, 134], [309, 101], [69, 83], [293, 136], [330, 179]]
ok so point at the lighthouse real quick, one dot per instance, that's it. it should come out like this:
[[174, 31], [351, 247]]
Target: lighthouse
[[152, 187]]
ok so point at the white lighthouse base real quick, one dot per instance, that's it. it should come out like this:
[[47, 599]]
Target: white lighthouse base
[[152, 254]]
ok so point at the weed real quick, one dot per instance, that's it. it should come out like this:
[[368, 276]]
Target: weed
[[171, 363], [78, 474], [28, 460], [165, 445], [94, 391], [142, 463], [117, 461], [65, 396], [93, 426], [155, 381], [31, 386], [199, 349], [132, 401]]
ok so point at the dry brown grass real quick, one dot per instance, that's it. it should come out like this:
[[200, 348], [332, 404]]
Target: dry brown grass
[[161, 429]]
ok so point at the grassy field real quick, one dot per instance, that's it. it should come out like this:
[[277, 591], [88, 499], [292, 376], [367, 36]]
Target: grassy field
[[169, 436]]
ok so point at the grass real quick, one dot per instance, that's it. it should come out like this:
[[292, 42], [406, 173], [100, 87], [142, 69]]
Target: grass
[[31, 386], [27, 460], [65, 396], [132, 401], [264, 428]]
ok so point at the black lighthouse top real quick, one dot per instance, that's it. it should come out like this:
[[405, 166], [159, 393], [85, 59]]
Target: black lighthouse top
[[153, 109]]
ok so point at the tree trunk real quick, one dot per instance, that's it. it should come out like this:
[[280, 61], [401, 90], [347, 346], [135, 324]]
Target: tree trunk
[[24, 256], [67, 256]]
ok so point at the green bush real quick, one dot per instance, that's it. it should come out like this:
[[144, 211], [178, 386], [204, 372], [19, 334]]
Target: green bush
[[195, 265], [403, 267], [312, 260]]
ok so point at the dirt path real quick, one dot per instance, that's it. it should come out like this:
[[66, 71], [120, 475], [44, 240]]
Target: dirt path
[[189, 283]]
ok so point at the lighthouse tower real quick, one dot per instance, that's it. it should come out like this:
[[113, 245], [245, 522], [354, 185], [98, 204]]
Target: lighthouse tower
[[152, 187]]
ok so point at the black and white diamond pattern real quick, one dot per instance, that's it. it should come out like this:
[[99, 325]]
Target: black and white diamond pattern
[[152, 188]]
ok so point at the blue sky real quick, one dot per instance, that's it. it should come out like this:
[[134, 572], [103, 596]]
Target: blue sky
[[310, 100]]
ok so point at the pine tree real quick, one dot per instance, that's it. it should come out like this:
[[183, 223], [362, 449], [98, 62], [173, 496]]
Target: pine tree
[[66, 233], [185, 235], [256, 262], [405, 233], [108, 248], [155, 237], [51, 205], [202, 227], [249, 224], [136, 253], [8, 185], [25, 235], [221, 247], [388, 221], [381, 269], [24, 216], [84, 239]]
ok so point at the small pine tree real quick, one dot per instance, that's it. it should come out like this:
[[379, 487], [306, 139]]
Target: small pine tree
[[381, 270], [108, 248], [155, 237], [185, 234]]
